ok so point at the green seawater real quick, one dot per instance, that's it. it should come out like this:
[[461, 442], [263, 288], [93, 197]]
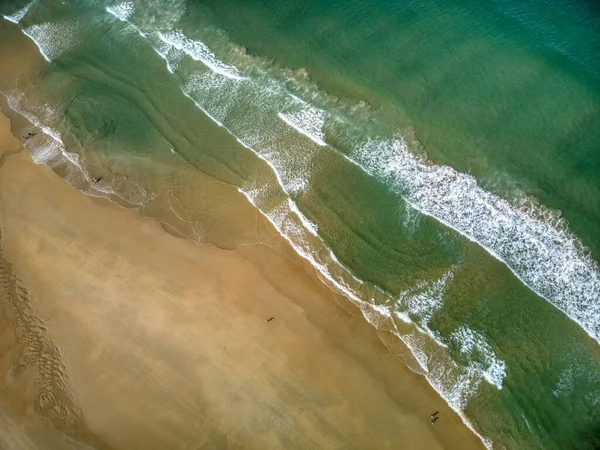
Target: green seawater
[[419, 163], [506, 90]]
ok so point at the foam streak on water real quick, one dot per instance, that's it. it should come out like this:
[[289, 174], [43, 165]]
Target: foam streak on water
[[17, 16], [52, 39], [473, 344], [200, 52], [308, 121], [454, 383], [419, 303], [122, 11]]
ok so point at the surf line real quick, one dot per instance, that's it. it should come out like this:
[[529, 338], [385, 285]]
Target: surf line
[[548, 264], [292, 122]]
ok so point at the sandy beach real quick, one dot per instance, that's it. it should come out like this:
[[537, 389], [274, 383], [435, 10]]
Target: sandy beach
[[118, 335]]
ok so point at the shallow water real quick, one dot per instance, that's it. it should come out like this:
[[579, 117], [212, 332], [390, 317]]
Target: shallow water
[[458, 251]]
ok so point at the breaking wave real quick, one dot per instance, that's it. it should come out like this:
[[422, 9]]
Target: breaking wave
[[531, 240]]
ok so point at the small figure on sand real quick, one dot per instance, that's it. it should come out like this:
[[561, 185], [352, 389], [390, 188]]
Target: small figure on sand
[[270, 318], [433, 417], [28, 135], [95, 180]]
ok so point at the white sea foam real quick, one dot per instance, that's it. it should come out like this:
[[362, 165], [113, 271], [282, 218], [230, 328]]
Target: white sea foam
[[17, 16], [44, 154], [282, 219], [480, 354], [209, 88], [456, 396], [411, 218], [420, 302], [526, 422], [309, 224], [565, 385], [307, 121], [52, 39], [222, 98], [593, 398], [383, 310], [416, 349], [122, 11], [455, 384], [574, 374], [170, 54], [547, 259], [199, 52]]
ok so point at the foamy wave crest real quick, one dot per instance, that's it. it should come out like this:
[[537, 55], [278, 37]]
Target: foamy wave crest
[[199, 52], [548, 259], [308, 224], [419, 303], [170, 54], [220, 92], [577, 374], [413, 344], [17, 16], [52, 39], [122, 11], [480, 354], [209, 88], [455, 383], [308, 121]]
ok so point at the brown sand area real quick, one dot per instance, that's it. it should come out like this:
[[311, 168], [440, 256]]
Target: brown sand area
[[115, 334]]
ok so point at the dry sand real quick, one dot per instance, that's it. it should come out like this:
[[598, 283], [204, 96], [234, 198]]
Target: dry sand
[[115, 334]]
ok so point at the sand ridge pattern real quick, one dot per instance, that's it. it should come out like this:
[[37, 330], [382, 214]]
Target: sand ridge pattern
[[35, 351]]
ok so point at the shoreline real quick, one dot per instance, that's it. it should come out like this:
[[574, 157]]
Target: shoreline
[[309, 324]]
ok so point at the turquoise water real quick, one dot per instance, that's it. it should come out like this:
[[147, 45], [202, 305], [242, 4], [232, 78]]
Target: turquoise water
[[419, 155]]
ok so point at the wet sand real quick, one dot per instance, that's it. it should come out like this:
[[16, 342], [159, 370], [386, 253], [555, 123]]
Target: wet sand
[[118, 335]]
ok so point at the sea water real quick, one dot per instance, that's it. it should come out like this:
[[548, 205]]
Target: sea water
[[436, 162]]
